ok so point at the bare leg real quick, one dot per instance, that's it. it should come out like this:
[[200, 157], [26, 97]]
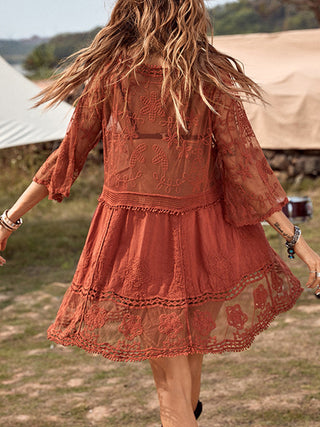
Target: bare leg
[[173, 379], [195, 363]]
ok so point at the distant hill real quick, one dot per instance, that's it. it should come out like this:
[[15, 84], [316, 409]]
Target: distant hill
[[15, 51], [46, 56], [236, 17]]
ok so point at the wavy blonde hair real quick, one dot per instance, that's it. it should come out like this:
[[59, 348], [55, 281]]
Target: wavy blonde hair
[[175, 30]]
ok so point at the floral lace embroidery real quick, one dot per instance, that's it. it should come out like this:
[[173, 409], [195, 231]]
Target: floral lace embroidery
[[141, 153], [236, 317], [152, 106], [137, 156], [203, 322], [170, 325], [260, 297], [277, 281], [137, 339], [131, 326], [160, 159], [95, 317]]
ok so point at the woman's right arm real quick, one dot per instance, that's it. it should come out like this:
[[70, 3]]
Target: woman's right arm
[[33, 195], [252, 192]]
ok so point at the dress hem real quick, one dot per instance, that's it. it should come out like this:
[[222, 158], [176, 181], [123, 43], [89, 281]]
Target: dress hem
[[109, 352]]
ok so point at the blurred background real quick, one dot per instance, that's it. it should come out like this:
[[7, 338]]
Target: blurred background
[[276, 382]]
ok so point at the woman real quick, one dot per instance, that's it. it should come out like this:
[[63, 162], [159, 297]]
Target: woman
[[176, 263]]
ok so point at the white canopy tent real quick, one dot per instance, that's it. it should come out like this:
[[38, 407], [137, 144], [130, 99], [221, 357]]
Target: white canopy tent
[[287, 66], [19, 124]]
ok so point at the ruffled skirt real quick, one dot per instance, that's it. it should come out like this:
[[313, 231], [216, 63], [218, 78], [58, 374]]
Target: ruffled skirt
[[151, 284]]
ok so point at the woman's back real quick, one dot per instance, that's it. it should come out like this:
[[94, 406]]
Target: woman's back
[[143, 151]]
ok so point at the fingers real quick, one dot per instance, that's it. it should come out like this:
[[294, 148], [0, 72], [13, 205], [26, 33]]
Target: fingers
[[314, 280], [3, 244]]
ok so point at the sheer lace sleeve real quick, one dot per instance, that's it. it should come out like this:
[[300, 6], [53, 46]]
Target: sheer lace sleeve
[[63, 166], [251, 190]]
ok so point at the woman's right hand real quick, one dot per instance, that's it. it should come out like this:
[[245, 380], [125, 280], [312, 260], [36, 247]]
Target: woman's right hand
[[4, 235]]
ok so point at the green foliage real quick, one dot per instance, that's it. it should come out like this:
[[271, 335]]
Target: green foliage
[[46, 57], [304, 19], [254, 16], [42, 56]]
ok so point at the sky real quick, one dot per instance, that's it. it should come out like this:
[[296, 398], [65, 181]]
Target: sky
[[46, 18]]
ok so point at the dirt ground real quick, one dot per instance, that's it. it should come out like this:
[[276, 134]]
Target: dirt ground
[[274, 383]]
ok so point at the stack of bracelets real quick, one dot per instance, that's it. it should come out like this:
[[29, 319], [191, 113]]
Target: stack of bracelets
[[12, 226], [8, 224], [293, 241]]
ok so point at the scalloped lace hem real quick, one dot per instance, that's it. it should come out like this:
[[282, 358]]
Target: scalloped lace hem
[[135, 355]]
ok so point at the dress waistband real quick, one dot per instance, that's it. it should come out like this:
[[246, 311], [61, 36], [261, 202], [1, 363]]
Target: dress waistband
[[157, 202]]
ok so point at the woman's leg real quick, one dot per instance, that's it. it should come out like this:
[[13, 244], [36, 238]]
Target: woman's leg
[[195, 363], [173, 379]]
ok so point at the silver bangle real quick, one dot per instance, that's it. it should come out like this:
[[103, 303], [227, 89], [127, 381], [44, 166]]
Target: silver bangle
[[290, 245]]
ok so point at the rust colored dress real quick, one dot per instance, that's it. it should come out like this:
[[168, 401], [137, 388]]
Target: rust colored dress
[[176, 260]]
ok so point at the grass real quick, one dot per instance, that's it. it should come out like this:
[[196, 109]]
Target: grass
[[274, 383]]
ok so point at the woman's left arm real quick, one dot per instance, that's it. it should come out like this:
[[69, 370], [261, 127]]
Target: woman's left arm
[[284, 226]]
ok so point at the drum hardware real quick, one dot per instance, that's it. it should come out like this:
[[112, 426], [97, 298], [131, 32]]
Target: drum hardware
[[299, 209]]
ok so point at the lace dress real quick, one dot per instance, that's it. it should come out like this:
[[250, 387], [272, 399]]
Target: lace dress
[[175, 261]]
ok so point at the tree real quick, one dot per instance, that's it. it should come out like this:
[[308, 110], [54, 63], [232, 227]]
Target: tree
[[41, 57], [267, 7], [313, 5], [46, 57]]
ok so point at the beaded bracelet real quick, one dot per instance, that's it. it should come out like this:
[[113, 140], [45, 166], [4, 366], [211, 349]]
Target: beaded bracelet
[[8, 224], [290, 245]]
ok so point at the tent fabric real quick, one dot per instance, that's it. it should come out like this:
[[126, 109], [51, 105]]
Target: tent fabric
[[20, 125], [287, 66]]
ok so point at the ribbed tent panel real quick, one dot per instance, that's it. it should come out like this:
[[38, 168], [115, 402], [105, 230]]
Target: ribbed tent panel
[[286, 65], [19, 124]]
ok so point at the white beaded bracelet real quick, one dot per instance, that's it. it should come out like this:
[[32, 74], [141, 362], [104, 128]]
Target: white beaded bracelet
[[8, 224]]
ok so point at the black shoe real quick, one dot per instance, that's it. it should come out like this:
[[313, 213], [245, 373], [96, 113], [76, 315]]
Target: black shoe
[[198, 410]]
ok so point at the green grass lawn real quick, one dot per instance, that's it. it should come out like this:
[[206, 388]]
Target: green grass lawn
[[275, 383]]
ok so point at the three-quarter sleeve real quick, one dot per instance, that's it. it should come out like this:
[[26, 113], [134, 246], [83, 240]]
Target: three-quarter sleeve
[[63, 166], [251, 191]]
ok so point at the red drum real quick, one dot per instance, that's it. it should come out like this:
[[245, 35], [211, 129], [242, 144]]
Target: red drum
[[299, 209]]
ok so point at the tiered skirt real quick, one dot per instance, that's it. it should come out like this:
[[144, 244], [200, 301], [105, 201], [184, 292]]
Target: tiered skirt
[[151, 284]]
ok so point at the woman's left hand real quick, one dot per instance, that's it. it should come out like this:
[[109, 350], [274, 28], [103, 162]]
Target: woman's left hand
[[4, 235], [312, 259]]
